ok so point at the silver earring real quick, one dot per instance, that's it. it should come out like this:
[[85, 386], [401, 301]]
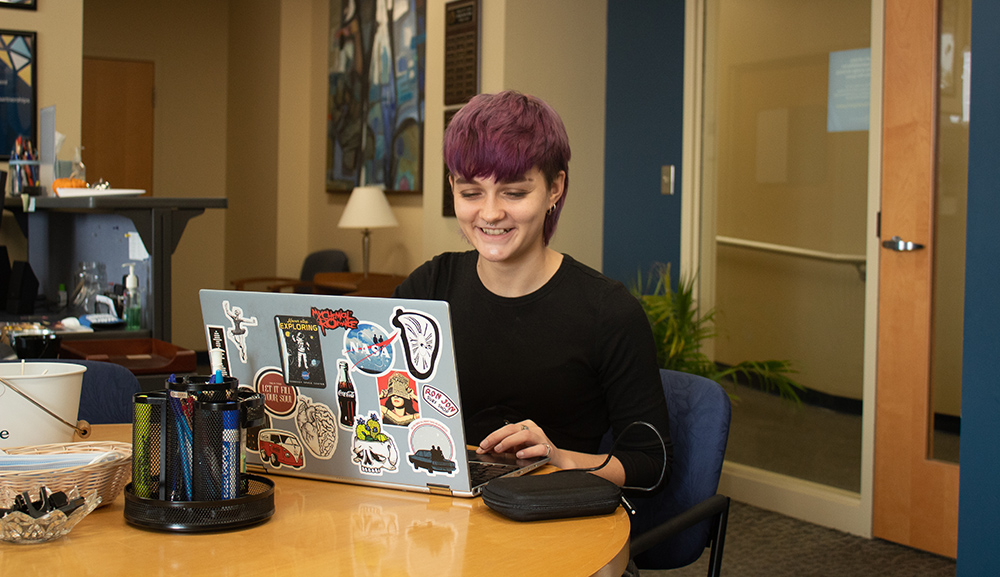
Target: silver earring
[[551, 209]]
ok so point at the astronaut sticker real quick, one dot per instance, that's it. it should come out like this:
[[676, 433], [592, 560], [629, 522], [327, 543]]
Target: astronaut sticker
[[421, 342], [238, 332], [317, 427], [374, 451], [301, 352], [432, 448], [369, 348], [397, 394]]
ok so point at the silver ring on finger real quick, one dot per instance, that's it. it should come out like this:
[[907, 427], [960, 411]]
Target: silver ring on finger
[[548, 449]]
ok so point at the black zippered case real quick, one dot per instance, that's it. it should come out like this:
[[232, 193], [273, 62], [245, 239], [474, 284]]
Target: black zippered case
[[557, 495]]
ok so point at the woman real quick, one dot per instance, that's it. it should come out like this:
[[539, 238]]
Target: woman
[[551, 354], [397, 405]]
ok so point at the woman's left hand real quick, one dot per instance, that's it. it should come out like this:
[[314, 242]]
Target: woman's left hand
[[525, 439]]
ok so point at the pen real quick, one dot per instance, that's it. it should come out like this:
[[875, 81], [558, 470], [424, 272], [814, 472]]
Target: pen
[[230, 450]]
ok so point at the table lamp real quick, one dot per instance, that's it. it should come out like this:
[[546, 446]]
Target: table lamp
[[367, 208]]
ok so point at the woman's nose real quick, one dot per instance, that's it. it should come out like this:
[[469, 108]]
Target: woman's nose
[[492, 209]]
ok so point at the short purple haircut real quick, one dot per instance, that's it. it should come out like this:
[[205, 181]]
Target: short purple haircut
[[503, 136]]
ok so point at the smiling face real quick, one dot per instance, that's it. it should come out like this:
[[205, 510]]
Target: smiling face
[[504, 220]]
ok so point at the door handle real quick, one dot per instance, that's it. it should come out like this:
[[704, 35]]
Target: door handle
[[899, 245]]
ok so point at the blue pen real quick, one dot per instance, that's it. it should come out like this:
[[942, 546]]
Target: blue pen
[[230, 452]]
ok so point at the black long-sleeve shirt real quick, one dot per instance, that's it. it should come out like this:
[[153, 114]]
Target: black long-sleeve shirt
[[576, 356]]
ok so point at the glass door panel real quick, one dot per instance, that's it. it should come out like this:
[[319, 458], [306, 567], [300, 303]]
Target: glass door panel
[[949, 226], [786, 166]]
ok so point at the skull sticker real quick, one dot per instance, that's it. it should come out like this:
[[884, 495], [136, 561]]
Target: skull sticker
[[374, 451]]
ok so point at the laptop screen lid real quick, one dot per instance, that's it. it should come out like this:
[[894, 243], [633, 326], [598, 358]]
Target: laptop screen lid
[[357, 389]]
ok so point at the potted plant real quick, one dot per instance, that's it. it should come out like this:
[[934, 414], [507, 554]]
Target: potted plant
[[679, 330]]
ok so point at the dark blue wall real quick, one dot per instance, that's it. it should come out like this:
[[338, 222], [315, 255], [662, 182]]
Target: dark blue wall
[[645, 106], [979, 494]]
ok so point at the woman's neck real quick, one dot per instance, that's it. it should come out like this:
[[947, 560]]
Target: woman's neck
[[517, 279]]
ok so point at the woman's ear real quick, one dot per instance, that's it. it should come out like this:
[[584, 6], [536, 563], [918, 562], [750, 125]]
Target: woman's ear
[[557, 188]]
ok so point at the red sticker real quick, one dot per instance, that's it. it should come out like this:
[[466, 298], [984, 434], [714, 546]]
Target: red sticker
[[329, 320], [279, 398]]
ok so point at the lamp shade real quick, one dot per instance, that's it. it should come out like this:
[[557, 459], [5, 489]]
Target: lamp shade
[[367, 208]]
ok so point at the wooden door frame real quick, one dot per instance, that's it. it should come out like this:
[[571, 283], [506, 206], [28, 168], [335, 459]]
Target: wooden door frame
[[915, 497]]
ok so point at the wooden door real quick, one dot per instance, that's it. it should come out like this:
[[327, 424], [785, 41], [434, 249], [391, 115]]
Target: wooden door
[[915, 497], [117, 131]]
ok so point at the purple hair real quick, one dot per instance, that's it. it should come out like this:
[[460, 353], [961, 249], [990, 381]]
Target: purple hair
[[503, 136]]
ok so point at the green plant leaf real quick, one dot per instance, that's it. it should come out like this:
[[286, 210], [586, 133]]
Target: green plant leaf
[[679, 330]]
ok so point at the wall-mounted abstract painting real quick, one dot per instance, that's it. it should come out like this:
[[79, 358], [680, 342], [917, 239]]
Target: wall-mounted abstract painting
[[18, 89], [375, 106], [23, 4]]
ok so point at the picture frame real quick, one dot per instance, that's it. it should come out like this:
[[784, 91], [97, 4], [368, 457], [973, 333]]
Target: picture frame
[[375, 104], [18, 88], [22, 4]]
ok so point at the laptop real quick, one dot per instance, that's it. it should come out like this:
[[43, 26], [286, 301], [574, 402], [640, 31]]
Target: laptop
[[356, 389]]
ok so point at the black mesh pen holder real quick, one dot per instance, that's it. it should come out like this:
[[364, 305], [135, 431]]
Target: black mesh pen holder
[[190, 474], [254, 505], [204, 389]]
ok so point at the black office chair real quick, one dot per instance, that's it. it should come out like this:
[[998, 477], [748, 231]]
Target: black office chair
[[674, 527], [106, 394], [330, 260]]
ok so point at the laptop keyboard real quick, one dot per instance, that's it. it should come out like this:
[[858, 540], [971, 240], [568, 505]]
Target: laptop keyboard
[[481, 473]]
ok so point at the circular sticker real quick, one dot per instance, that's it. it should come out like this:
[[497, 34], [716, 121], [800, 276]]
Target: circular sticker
[[369, 348], [279, 398], [425, 433]]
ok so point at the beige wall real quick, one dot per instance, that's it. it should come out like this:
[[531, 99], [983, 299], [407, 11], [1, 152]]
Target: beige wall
[[187, 40], [557, 51], [570, 77], [59, 27], [252, 141], [240, 112]]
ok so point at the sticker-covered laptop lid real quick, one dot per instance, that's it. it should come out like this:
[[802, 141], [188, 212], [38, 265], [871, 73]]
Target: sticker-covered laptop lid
[[356, 389]]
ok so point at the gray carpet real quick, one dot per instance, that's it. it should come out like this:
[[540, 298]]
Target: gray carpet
[[766, 544]]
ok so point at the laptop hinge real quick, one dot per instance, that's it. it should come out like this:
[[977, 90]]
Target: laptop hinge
[[255, 468], [439, 489]]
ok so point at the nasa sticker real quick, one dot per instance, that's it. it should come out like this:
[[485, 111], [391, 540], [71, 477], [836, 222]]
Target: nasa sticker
[[369, 348]]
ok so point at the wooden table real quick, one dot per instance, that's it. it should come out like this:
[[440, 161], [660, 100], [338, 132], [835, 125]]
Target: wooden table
[[355, 283], [323, 528]]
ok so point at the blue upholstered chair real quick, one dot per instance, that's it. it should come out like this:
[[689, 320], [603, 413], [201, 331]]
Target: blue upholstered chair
[[106, 395], [330, 260], [674, 527]]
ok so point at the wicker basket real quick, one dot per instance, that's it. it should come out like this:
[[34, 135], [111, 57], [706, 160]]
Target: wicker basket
[[108, 478]]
